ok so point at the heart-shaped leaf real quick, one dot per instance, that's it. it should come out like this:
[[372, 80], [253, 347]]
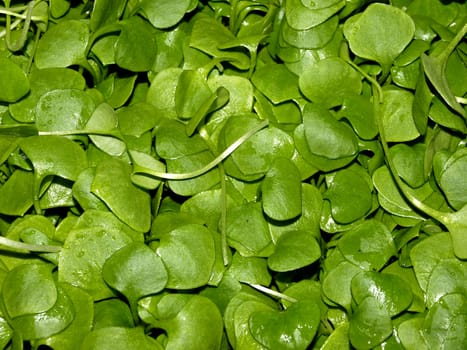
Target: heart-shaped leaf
[[370, 324], [370, 34], [135, 271], [293, 328]]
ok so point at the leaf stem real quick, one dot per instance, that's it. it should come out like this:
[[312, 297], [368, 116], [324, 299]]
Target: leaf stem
[[31, 247], [185, 176], [24, 33], [223, 219], [392, 168], [273, 292]]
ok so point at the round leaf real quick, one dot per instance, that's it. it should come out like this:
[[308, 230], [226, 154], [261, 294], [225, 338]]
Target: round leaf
[[371, 34], [247, 230], [445, 323], [389, 290], [112, 184], [329, 81], [449, 276], [336, 284], [427, 254], [452, 180], [369, 245], [83, 255], [281, 190], [135, 49], [188, 255], [293, 328], [197, 325], [63, 45], [119, 338], [135, 271], [64, 110], [326, 136], [294, 250], [350, 195], [14, 83], [164, 13], [29, 289], [370, 324], [276, 82], [397, 118], [47, 323]]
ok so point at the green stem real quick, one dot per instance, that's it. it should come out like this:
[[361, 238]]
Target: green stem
[[6, 242], [392, 168], [24, 33], [185, 176], [444, 55], [273, 293], [223, 219]]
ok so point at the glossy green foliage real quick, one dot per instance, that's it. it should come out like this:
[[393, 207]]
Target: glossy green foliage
[[15, 84], [242, 174]]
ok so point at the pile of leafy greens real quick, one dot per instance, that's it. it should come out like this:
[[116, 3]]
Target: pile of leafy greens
[[243, 174]]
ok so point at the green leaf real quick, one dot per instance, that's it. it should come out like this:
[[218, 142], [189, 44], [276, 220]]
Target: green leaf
[[41, 82], [135, 271], [390, 291], [329, 81], [106, 12], [247, 230], [254, 157], [188, 255], [369, 245], [293, 328], [444, 325], [370, 34], [53, 155], [449, 276], [29, 289], [276, 82], [72, 336], [389, 195], [64, 110], [294, 250], [301, 16], [409, 162], [337, 283], [84, 254], [410, 334], [451, 181], [112, 184], [119, 338], [312, 38], [164, 13], [427, 254], [396, 115], [191, 93], [348, 183], [63, 45], [16, 195], [281, 191], [14, 83], [112, 313], [251, 270], [208, 35], [46, 323], [326, 136], [370, 324], [135, 48], [191, 321], [434, 67]]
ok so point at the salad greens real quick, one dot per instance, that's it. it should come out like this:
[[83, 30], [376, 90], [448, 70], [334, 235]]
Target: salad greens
[[233, 174]]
